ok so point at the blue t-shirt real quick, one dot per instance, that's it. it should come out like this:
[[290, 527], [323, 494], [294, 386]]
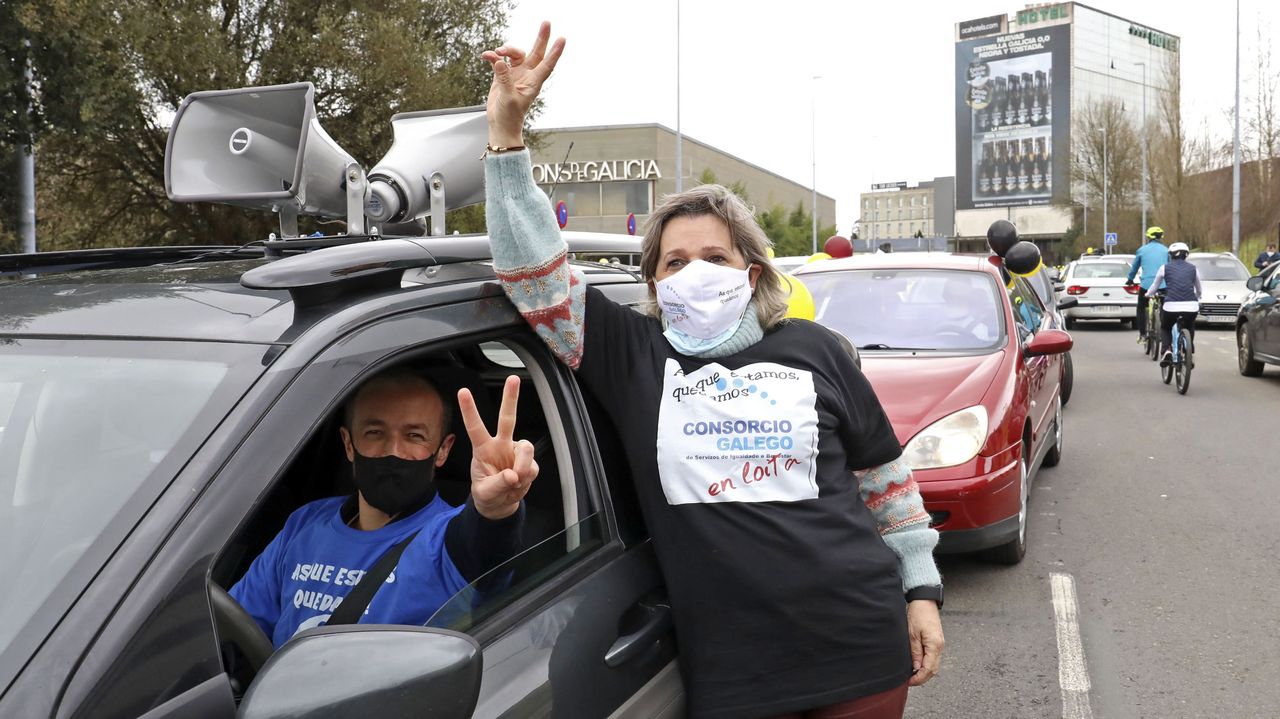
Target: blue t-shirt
[[316, 560]]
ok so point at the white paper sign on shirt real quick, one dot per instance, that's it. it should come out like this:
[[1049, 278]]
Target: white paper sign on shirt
[[744, 435]]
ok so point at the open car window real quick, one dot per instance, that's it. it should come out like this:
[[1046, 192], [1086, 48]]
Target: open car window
[[519, 576]]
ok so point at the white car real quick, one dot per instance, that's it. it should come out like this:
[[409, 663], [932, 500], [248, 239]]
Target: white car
[[1222, 287], [1098, 284]]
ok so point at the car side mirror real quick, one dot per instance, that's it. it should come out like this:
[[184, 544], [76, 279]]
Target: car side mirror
[[1254, 283], [368, 670], [1048, 342], [1067, 303]]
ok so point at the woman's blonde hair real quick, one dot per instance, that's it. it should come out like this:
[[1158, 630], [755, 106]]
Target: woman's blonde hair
[[770, 295]]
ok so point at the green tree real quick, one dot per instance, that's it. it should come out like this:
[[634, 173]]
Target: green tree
[[108, 77]]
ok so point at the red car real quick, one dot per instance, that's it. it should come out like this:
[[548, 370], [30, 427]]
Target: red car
[[970, 373]]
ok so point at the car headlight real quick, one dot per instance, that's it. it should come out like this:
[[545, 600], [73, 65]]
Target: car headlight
[[954, 439]]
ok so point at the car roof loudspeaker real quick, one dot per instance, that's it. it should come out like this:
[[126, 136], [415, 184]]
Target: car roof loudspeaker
[[432, 166], [257, 147]]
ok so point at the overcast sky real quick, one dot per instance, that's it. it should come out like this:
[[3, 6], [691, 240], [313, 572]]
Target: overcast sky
[[884, 109]]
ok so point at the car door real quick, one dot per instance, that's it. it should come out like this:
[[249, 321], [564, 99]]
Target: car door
[[1042, 372], [1269, 314], [161, 656]]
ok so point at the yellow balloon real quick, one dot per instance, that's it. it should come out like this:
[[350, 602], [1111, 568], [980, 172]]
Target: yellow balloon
[[817, 256], [799, 299]]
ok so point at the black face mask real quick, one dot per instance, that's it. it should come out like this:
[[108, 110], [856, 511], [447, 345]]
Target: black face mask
[[392, 484]]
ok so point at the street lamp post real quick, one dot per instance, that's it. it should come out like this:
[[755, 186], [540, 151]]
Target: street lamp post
[[813, 154], [679, 135], [1145, 190], [1106, 144]]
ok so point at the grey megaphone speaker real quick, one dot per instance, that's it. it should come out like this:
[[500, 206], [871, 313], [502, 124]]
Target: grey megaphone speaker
[[443, 145], [259, 147]]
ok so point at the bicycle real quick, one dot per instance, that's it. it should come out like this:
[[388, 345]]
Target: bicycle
[[1153, 327], [1181, 362]]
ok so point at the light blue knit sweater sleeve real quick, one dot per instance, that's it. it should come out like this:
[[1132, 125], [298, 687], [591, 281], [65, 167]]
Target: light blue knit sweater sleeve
[[530, 257], [893, 497]]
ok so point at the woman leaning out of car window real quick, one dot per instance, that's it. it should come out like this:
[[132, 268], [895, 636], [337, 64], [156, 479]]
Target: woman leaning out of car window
[[791, 593]]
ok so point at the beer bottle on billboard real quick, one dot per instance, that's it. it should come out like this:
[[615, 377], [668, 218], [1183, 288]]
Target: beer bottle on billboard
[[1014, 100], [1039, 99], [1048, 98], [1025, 161], [985, 168], [1028, 98], [1046, 159], [1038, 168], [1012, 166], [997, 170], [999, 101]]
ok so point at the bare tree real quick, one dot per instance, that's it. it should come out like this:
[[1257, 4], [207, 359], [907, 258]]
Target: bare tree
[[1101, 133]]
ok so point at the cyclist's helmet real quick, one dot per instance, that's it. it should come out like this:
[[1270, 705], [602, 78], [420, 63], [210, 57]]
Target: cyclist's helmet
[[1155, 233], [1179, 250]]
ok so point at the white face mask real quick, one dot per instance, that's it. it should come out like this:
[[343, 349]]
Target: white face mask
[[704, 301]]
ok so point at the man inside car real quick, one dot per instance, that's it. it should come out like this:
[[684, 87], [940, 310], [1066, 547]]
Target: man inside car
[[396, 433]]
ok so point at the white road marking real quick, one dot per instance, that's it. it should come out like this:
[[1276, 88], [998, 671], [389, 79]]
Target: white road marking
[[1073, 672]]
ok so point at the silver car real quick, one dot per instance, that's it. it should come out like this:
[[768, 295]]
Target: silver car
[[1098, 284], [1222, 279]]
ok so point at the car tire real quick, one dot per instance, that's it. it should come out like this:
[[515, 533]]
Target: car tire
[[1054, 455], [1012, 552], [1249, 367], [1068, 378]]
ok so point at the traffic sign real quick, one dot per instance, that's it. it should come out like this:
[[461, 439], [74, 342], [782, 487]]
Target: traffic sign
[[631, 223], [1111, 239], [562, 214]]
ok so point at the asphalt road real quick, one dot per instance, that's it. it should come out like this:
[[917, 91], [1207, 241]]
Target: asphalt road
[[1163, 515]]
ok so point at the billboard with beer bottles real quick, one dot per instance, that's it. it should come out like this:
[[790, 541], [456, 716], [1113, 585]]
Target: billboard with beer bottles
[[1012, 112]]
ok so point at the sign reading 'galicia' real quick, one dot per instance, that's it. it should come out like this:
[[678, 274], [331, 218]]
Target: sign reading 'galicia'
[[606, 171]]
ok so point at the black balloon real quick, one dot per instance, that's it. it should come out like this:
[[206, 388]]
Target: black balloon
[[1001, 236], [1023, 259]]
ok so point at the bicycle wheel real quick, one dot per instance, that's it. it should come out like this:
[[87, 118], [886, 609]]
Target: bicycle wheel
[[1183, 368], [1166, 373], [1153, 346]]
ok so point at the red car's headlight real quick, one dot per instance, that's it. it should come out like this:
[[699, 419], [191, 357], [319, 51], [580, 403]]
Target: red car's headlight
[[954, 439]]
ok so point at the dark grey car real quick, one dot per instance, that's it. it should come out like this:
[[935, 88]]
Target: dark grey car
[[163, 410]]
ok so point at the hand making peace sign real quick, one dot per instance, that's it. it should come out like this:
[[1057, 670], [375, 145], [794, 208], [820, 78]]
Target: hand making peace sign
[[517, 80], [501, 469]]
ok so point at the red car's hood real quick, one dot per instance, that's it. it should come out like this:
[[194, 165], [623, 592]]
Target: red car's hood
[[917, 391]]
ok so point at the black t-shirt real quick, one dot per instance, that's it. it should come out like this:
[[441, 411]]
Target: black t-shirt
[[785, 596]]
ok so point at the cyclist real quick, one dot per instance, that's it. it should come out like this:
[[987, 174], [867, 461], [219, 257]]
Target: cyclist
[[1181, 281], [1149, 258]]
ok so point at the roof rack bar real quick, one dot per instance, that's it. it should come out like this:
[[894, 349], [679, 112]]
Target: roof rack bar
[[72, 260]]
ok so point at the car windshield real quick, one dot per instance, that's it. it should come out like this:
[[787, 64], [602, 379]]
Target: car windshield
[[909, 309], [1100, 270], [1218, 269], [90, 433]]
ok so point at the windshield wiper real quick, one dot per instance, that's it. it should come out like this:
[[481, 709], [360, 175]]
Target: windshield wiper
[[883, 346]]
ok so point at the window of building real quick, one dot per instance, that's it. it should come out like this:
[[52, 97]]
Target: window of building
[[913, 200], [582, 198], [899, 229], [912, 229], [877, 203], [900, 200], [925, 200], [621, 198]]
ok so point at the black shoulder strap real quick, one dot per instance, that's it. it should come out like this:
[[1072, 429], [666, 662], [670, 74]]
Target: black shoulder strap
[[353, 605]]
